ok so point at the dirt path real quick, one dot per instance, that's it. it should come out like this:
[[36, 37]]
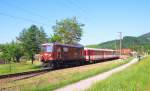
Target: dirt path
[[86, 83]]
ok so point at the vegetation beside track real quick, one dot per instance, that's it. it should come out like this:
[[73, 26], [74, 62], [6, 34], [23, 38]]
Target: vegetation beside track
[[60, 78], [134, 78], [18, 67]]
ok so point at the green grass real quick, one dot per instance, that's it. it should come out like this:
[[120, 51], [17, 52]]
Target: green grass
[[60, 78], [134, 78], [17, 67]]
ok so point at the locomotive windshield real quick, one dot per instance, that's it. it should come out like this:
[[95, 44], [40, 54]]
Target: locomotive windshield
[[47, 48]]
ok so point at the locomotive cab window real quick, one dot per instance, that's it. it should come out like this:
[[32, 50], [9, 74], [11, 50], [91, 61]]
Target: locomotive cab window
[[47, 48]]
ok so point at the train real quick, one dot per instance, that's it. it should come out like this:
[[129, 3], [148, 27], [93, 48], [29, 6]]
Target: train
[[54, 55]]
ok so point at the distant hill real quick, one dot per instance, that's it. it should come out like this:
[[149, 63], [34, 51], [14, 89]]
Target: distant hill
[[127, 42], [144, 39]]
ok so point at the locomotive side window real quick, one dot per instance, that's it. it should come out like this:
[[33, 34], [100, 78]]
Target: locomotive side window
[[65, 49]]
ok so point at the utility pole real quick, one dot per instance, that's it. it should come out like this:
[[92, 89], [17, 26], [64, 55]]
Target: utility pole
[[116, 44], [120, 37]]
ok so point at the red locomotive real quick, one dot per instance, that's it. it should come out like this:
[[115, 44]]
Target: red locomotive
[[55, 54]]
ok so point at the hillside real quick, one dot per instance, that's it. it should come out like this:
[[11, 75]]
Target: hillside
[[127, 42], [144, 39]]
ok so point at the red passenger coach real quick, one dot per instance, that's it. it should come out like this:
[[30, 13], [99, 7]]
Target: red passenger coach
[[54, 54], [92, 54]]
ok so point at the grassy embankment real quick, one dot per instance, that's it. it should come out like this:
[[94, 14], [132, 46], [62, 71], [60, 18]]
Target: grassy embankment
[[134, 78], [60, 78], [18, 67]]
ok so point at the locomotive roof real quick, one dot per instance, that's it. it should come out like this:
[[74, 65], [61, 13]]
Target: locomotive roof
[[67, 45], [99, 49]]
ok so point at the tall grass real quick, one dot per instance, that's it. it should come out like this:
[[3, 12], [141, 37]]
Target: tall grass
[[134, 78]]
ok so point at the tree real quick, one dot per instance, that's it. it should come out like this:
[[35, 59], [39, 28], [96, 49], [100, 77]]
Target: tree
[[31, 40], [1, 47], [11, 52], [17, 51], [54, 38], [67, 31], [6, 52]]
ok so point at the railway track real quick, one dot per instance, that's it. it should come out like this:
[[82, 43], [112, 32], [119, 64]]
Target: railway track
[[23, 75], [28, 74]]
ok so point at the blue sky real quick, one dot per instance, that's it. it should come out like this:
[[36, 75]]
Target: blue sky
[[103, 19]]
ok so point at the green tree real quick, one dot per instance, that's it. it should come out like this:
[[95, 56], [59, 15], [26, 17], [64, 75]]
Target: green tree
[[17, 51], [54, 38], [1, 47], [6, 52], [11, 52], [67, 31], [31, 40]]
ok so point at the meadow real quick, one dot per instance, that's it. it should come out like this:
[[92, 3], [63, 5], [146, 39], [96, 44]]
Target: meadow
[[134, 78], [18, 67], [59, 78]]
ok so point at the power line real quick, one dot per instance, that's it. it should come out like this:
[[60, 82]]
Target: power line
[[21, 18], [68, 6], [29, 12], [24, 10], [73, 9], [77, 5]]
